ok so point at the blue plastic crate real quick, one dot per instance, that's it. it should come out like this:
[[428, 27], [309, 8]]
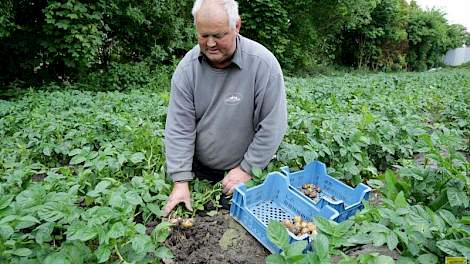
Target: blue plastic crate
[[345, 199], [255, 207]]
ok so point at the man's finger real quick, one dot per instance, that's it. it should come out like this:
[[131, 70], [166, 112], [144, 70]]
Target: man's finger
[[169, 206], [187, 203], [233, 188], [228, 187], [224, 181]]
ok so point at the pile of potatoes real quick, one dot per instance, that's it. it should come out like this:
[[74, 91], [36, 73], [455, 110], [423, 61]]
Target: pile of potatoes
[[300, 227], [310, 190], [184, 223]]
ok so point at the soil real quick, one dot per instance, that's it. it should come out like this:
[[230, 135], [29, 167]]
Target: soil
[[39, 177], [217, 239], [220, 239]]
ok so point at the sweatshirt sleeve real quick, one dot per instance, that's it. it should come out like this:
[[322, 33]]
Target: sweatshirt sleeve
[[180, 129], [271, 114]]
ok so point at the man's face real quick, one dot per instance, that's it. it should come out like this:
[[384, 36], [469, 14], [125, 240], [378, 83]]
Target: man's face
[[216, 39]]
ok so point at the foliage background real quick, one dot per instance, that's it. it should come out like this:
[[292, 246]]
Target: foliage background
[[121, 44]]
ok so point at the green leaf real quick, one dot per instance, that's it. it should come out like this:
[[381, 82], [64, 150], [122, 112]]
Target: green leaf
[[163, 253], [295, 259], [427, 259], [405, 260], [155, 209], [325, 225], [8, 218], [351, 167], [400, 201], [457, 197], [137, 157], [277, 233], [392, 240], [46, 151], [447, 216], [22, 252], [74, 152], [116, 199], [57, 258], [80, 232], [465, 220], [378, 239], [212, 213], [347, 260], [459, 247], [77, 160], [275, 259], [99, 215], [141, 244], [342, 228], [5, 200], [296, 248], [6, 231], [320, 244], [103, 253], [161, 232], [51, 212], [140, 229], [384, 260], [257, 172], [102, 186], [391, 189], [133, 198], [359, 239], [43, 232], [117, 230], [26, 221]]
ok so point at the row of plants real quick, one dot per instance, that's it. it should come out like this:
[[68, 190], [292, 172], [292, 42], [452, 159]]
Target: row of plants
[[82, 176], [422, 216], [360, 126], [407, 136]]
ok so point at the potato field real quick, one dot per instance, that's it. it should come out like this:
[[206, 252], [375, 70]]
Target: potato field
[[83, 180]]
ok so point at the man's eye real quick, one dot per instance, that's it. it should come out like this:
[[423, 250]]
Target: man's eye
[[221, 35]]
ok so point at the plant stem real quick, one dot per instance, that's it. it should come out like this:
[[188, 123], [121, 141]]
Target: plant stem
[[119, 255]]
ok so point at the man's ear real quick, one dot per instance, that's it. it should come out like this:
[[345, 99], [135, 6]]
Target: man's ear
[[238, 25]]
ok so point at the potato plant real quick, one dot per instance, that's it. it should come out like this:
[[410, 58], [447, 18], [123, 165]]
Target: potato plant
[[82, 174]]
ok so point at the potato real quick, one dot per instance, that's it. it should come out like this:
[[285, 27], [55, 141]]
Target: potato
[[304, 231], [187, 223], [297, 219], [175, 221]]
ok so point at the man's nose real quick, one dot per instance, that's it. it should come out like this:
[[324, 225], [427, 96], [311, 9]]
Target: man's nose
[[211, 42]]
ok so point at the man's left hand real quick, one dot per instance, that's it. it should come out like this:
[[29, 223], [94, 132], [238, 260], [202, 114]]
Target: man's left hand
[[234, 177]]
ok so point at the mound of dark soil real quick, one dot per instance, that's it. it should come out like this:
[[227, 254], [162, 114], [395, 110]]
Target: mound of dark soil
[[217, 239]]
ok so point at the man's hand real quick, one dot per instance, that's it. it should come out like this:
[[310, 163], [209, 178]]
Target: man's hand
[[179, 194], [234, 177]]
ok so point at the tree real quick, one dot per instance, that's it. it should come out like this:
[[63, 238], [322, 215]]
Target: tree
[[429, 38]]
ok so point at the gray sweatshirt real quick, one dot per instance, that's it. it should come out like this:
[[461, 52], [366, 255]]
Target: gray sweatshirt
[[225, 117]]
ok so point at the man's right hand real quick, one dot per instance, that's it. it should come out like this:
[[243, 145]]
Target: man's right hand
[[180, 194]]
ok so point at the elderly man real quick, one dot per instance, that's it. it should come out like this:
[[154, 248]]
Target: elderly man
[[227, 111]]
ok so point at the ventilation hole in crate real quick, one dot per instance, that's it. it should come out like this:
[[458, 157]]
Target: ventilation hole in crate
[[269, 211]]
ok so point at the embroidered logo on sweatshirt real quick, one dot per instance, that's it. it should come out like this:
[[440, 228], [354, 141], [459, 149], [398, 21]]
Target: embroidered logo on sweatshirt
[[233, 99]]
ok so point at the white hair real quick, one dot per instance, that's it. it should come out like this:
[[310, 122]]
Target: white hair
[[230, 6]]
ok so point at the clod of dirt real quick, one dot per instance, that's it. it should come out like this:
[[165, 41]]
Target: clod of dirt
[[39, 177], [217, 239]]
